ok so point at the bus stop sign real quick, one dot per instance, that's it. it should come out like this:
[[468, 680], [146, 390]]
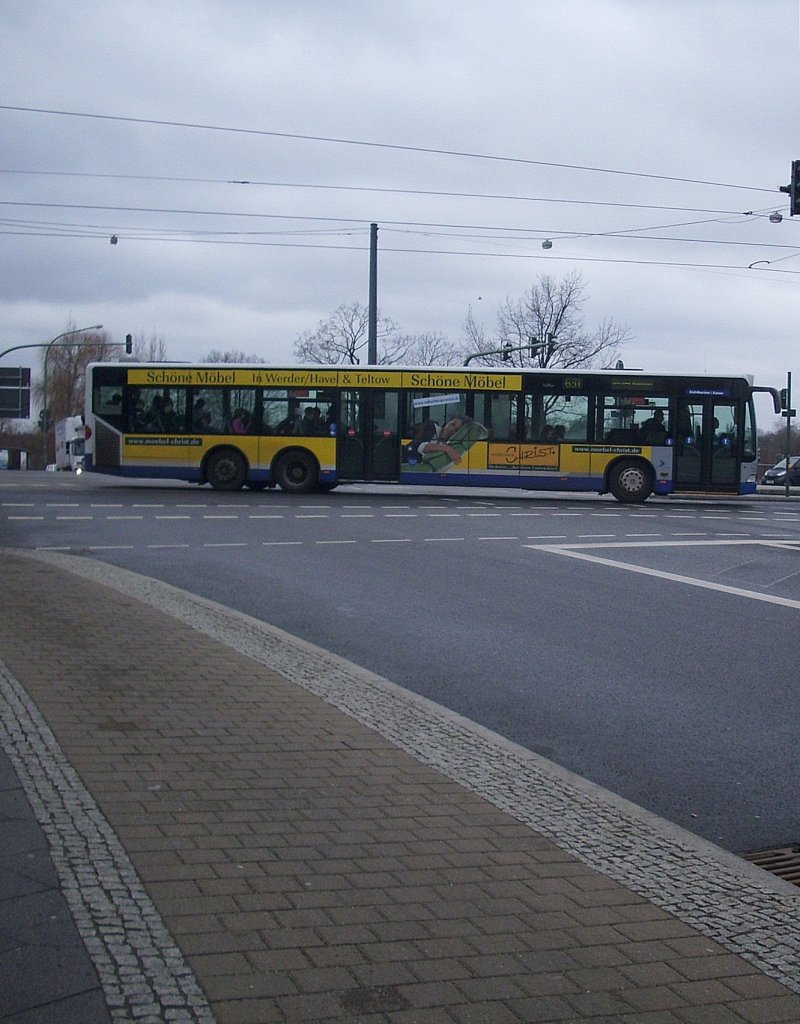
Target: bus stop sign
[[15, 393]]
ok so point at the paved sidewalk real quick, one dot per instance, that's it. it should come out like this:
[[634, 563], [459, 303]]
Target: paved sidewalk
[[245, 829]]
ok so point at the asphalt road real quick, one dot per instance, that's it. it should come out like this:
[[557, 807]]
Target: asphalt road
[[651, 649]]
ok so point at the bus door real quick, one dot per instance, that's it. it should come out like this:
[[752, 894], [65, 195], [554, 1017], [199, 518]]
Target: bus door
[[368, 436], [707, 443]]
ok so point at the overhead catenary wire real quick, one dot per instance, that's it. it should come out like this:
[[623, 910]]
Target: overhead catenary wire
[[379, 145], [437, 193], [356, 222], [500, 233]]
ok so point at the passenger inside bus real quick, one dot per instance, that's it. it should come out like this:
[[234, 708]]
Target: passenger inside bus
[[653, 431], [202, 417], [242, 422], [312, 423], [167, 418]]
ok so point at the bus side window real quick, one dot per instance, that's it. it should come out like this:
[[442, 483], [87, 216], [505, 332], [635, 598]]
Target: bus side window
[[502, 415]]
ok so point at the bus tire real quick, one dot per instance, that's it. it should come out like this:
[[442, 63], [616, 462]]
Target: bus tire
[[226, 470], [296, 472], [631, 480]]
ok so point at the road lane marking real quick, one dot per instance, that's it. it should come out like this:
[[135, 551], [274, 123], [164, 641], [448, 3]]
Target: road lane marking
[[571, 551]]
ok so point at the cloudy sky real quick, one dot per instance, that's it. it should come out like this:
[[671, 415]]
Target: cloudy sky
[[645, 138]]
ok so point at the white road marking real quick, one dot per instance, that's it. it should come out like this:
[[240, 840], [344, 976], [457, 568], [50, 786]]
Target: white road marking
[[572, 551]]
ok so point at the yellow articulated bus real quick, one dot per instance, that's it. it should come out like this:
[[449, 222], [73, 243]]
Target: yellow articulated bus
[[311, 428]]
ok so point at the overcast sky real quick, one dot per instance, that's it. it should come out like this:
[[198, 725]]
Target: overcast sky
[[645, 138]]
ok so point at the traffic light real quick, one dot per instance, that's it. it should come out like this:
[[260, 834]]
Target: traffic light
[[128, 344], [793, 188], [507, 350], [784, 393], [45, 419]]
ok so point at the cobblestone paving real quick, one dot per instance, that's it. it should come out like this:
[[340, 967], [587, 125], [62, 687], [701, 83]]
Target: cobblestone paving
[[342, 850]]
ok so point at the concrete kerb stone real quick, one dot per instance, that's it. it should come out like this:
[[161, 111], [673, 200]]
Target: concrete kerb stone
[[741, 907]]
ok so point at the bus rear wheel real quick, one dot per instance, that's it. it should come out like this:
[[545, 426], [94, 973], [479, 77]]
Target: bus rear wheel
[[296, 472], [226, 470], [630, 481]]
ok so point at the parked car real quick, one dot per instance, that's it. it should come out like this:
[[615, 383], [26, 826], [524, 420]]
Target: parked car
[[777, 475]]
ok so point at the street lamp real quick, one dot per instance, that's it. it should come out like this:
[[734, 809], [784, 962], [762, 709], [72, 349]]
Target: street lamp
[[58, 337]]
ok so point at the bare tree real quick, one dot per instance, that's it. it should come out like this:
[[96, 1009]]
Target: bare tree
[[548, 321], [344, 336], [433, 349], [233, 355], [149, 350], [66, 369]]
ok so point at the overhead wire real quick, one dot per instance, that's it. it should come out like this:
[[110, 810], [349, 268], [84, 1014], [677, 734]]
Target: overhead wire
[[231, 237], [378, 145], [437, 193]]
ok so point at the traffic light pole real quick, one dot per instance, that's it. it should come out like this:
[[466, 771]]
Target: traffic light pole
[[505, 351], [789, 411]]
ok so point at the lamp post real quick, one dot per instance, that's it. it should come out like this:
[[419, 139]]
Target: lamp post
[[48, 346]]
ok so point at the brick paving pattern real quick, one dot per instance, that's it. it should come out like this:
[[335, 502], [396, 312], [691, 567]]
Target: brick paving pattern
[[281, 861]]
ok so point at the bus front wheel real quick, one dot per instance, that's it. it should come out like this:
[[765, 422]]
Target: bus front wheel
[[296, 472], [630, 481], [226, 470]]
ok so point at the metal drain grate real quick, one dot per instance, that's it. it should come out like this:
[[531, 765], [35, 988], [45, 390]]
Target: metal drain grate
[[783, 862]]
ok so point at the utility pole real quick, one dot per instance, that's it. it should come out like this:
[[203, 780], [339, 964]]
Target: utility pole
[[372, 337]]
